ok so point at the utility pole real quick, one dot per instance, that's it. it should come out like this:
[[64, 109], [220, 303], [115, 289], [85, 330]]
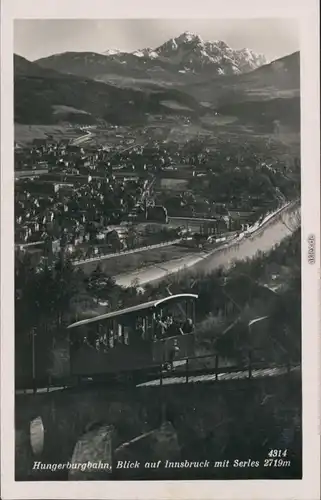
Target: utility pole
[[33, 347]]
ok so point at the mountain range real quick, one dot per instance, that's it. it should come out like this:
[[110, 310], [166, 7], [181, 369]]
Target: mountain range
[[280, 78], [187, 53], [184, 76], [46, 96]]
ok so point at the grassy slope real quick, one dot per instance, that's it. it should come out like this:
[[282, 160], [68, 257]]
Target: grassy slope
[[271, 92], [265, 82], [38, 91]]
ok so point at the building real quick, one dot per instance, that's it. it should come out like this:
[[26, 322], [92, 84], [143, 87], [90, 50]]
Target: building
[[157, 213], [28, 174], [172, 184], [38, 187]]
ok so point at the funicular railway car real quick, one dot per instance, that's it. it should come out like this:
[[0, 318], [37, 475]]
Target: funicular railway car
[[133, 340]]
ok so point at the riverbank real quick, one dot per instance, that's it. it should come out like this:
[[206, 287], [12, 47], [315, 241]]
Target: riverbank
[[265, 236]]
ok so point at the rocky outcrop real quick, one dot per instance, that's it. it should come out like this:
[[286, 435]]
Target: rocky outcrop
[[92, 457], [147, 452]]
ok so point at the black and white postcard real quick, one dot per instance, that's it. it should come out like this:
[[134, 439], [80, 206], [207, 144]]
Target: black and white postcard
[[160, 243]]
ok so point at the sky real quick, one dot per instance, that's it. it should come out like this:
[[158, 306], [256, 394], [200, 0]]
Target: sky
[[36, 38]]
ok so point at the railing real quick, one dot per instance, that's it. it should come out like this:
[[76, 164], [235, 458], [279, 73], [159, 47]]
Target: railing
[[183, 373], [215, 374]]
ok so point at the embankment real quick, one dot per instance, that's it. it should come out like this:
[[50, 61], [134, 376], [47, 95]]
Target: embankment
[[263, 239], [214, 421]]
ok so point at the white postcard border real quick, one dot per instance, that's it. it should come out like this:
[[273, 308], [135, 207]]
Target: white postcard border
[[307, 488]]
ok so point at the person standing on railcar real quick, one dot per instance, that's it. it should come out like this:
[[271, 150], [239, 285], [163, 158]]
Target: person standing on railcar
[[173, 353]]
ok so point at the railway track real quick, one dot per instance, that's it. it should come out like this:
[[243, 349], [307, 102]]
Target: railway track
[[182, 377], [210, 377]]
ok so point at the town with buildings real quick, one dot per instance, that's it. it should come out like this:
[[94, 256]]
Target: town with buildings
[[93, 200]]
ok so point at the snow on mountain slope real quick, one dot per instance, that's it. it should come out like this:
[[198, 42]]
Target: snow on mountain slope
[[190, 50], [187, 52]]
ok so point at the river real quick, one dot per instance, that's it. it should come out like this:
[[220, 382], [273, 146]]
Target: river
[[263, 239]]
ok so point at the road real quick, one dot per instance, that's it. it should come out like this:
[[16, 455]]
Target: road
[[83, 138], [126, 252], [264, 238]]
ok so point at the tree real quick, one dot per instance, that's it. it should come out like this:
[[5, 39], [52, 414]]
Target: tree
[[67, 282], [131, 238], [286, 318], [103, 287], [94, 281]]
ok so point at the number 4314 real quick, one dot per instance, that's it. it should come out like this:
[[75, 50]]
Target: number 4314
[[278, 453]]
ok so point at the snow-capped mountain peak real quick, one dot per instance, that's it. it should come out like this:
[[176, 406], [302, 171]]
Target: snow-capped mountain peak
[[139, 53], [188, 37], [150, 53], [111, 52], [189, 52]]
